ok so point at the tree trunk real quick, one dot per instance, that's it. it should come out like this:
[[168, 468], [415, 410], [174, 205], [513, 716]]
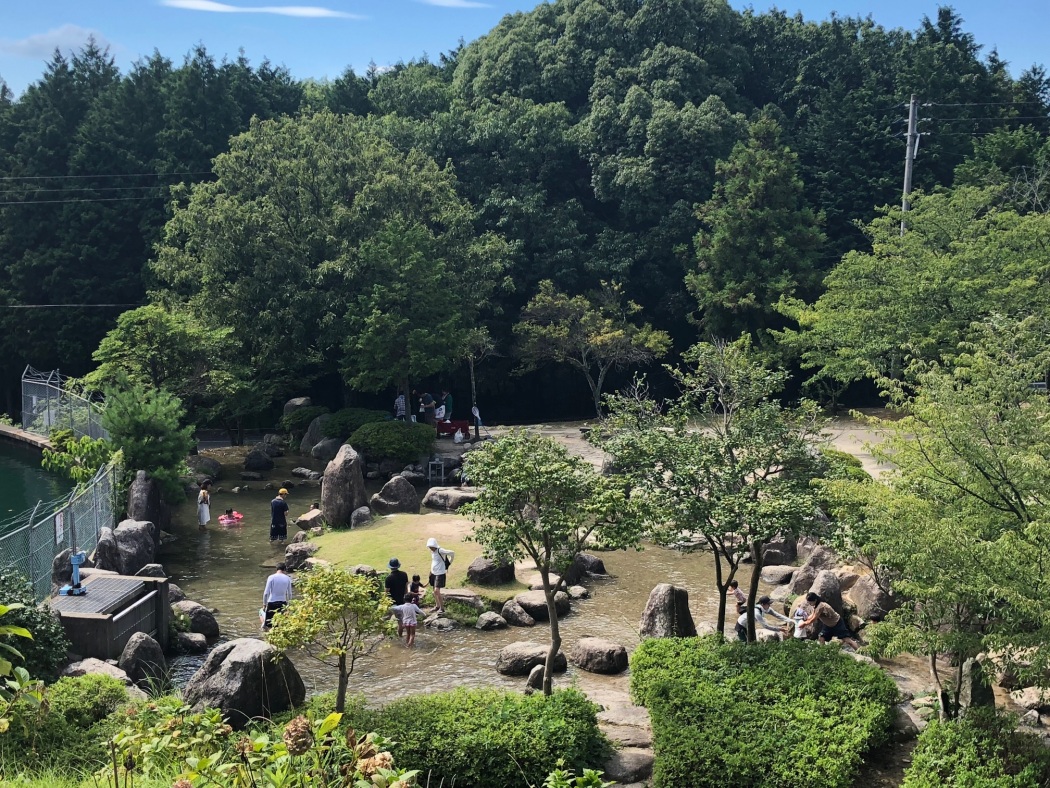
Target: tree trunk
[[944, 704], [344, 679], [552, 652], [723, 589], [473, 398], [752, 589]]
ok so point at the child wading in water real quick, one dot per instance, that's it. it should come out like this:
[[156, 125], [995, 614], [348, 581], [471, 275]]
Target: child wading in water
[[407, 618]]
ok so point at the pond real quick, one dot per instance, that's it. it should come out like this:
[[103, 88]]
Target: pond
[[226, 569], [23, 482]]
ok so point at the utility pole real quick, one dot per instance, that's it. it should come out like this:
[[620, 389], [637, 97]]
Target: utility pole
[[909, 156]]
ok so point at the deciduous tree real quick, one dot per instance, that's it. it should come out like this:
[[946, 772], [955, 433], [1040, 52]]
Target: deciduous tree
[[537, 501]]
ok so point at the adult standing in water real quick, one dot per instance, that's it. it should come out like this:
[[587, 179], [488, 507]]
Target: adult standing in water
[[277, 594], [279, 517], [440, 559], [204, 504]]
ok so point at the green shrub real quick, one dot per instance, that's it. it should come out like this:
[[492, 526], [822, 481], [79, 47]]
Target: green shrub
[[768, 714], [403, 441], [296, 422], [842, 465], [347, 421], [465, 736], [48, 647], [85, 700], [980, 750]]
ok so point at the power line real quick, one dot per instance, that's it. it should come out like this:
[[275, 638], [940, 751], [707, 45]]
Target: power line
[[65, 306], [983, 104], [69, 190], [100, 199], [102, 175]]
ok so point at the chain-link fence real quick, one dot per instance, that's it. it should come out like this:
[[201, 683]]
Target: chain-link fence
[[30, 541], [46, 406]]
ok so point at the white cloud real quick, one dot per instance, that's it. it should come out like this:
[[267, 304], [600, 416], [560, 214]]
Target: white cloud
[[41, 45], [456, 3], [307, 11]]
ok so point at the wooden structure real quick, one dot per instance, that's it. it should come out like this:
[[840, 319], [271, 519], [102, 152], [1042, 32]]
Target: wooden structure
[[115, 607]]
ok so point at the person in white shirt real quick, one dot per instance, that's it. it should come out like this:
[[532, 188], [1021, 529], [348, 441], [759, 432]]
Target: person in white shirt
[[439, 561], [277, 594], [407, 618], [762, 609]]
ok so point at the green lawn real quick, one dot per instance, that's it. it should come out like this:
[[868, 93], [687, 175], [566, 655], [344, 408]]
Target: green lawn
[[404, 536]]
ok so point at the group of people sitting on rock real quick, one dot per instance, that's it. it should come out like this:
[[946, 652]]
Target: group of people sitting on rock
[[819, 612]]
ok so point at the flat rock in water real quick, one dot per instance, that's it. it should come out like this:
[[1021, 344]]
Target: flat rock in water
[[535, 604], [598, 655], [464, 597], [489, 621]]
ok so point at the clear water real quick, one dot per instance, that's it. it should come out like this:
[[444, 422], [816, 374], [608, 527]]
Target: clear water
[[226, 569]]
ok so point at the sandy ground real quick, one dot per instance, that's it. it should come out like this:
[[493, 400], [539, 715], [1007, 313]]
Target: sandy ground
[[846, 434]]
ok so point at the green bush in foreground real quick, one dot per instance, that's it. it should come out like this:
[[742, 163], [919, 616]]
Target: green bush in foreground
[[980, 750], [347, 421], [404, 441], [47, 649], [765, 715], [493, 739]]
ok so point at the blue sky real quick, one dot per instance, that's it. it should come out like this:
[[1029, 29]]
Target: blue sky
[[321, 37]]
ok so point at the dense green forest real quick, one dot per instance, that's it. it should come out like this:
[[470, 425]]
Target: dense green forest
[[718, 172]]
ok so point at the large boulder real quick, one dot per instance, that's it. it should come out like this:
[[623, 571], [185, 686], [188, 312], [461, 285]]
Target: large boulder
[[778, 551], [397, 495], [343, 489], [175, 594], [826, 586], [449, 499], [802, 579], [314, 433], [515, 615], [191, 642], [292, 405], [258, 460], [535, 604], [107, 555], [777, 575], [202, 620], [1032, 698], [143, 660], [975, 686], [204, 466], [872, 602], [152, 570], [666, 614], [245, 679], [361, 516], [466, 598], [296, 553], [598, 655], [136, 545], [273, 444], [583, 565], [61, 568], [146, 504], [486, 572], [518, 659], [822, 558], [326, 449]]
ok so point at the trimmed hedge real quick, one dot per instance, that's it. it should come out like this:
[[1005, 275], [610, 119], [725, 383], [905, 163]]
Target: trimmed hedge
[[766, 714], [493, 739], [980, 750], [347, 421], [297, 422], [404, 441]]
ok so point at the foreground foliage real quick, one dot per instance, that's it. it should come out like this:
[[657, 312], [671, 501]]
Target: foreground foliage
[[764, 715], [979, 750], [493, 739], [41, 655]]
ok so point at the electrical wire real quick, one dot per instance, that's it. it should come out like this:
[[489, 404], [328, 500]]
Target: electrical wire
[[100, 199], [65, 306], [103, 175]]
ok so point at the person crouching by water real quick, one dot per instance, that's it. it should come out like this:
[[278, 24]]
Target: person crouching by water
[[763, 608], [831, 623], [277, 594], [204, 504], [279, 517]]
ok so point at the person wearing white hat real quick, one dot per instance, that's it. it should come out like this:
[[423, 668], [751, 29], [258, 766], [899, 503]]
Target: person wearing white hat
[[440, 560]]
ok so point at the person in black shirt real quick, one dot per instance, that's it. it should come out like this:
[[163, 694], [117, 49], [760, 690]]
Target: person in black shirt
[[279, 517], [396, 582]]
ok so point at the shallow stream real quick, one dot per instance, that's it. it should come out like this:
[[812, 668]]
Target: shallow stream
[[226, 569]]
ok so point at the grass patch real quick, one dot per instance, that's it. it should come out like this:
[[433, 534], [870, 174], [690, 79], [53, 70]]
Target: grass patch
[[764, 715], [404, 536]]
